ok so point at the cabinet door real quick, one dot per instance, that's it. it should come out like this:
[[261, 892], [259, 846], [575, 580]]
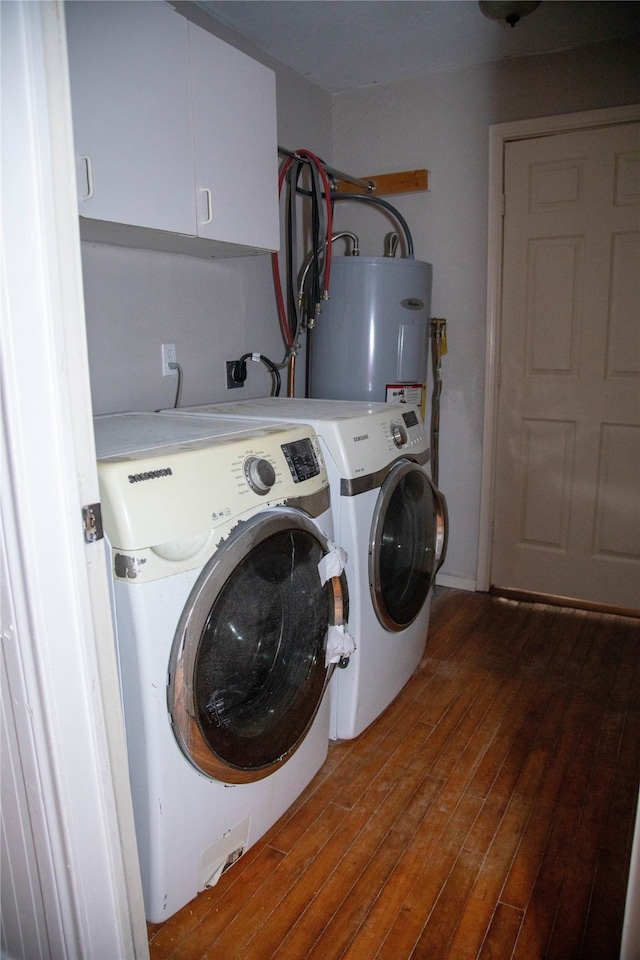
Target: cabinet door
[[236, 152], [131, 101]]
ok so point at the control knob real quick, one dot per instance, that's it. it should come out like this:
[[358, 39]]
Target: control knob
[[259, 474], [398, 434]]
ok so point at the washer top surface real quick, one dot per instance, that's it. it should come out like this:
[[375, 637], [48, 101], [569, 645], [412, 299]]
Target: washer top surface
[[296, 408], [361, 437], [131, 434]]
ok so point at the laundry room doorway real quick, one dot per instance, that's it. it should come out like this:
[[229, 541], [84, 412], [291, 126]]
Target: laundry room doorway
[[562, 418]]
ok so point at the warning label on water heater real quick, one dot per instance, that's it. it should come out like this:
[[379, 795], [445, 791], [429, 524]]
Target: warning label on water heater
[[405, 393]]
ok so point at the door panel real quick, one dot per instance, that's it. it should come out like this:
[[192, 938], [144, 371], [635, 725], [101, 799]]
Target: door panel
[[567, 492]]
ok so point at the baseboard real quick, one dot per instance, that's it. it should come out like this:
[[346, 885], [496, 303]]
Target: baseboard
[[555, 601], [458, 583]]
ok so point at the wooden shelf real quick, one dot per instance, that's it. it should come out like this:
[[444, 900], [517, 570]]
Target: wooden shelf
[[386, 184]]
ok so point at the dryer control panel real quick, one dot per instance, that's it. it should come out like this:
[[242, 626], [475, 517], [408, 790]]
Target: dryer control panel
[[407, 429], [363, 445]]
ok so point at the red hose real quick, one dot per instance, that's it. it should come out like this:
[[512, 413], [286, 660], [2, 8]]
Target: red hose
[[327, 196], [275, 268], [275, 263]]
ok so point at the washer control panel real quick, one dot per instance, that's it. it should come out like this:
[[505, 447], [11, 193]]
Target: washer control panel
[[207, 473], [301, 459]]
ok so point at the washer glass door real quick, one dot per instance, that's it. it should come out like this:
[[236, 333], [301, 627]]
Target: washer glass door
[[247, 670], [407, 546]]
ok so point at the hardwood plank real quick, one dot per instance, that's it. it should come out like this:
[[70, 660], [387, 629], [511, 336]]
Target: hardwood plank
[[473, 733], [573, 903], [626, 688], [522, 875], [571, 628], [391, 897], [341, 863], [537, 924], [408, 926], [356, 905], [502, 933], [502, 762], [327, 921], [606, 908], [445, 916], [476, 917], [526, 865]]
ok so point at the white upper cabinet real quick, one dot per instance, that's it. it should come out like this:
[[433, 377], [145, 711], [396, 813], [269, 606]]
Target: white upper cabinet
[[175, 133], [131, 100], [236, 151]]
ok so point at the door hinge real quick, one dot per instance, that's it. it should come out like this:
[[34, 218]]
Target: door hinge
[[503, 204], [92, 522]]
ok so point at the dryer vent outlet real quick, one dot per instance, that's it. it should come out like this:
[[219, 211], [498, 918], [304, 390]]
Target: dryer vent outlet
[[233, 375], [223, 854]]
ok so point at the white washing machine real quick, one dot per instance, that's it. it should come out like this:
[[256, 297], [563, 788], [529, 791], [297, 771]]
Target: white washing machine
[[391, 521], [224, 588]]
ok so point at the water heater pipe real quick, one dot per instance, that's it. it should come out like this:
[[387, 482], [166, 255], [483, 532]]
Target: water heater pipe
[[305, 270], [291, 376], [387, 206], [438, 329]]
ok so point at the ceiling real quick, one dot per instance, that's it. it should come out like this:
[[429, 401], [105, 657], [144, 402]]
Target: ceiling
[[344, 44]]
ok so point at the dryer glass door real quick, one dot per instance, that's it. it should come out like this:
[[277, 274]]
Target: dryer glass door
[[408, 543], [247, 670]]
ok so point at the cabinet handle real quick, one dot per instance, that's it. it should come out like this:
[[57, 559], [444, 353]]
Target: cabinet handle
[[89, 171], [209, 218]]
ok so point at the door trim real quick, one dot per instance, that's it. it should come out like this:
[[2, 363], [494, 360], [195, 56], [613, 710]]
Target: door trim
[[74, 879], [499, 135]]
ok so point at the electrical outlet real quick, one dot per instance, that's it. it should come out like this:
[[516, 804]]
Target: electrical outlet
[[169, 355]]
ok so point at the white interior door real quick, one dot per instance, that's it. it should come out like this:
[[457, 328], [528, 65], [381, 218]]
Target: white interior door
[[567, 472]]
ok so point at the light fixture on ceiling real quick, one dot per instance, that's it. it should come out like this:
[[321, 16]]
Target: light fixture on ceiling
[[509, 10]]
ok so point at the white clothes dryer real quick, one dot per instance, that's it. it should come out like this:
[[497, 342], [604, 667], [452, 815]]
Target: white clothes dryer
[[217, 537], [391, 521]]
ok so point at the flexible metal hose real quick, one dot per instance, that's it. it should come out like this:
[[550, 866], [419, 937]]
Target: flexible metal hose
[[438, 326]]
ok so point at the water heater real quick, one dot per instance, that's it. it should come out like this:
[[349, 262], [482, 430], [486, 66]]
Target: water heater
[[372, 336]]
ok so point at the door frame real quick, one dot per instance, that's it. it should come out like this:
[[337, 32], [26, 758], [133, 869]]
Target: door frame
[[72, 877], [499, 135]]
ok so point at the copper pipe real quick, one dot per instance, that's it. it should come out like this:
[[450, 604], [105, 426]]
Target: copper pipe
[[291, 376]]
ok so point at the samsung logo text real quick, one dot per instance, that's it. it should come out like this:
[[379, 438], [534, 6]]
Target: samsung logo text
[[150, 475]]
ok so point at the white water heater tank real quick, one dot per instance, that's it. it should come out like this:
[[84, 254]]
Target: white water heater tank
[[373, 332]]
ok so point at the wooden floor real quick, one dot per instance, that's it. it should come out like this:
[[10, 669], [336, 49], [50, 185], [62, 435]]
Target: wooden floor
[[488, 813]]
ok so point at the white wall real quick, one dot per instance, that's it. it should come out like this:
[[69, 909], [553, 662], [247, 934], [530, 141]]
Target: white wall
[[442, 123]]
